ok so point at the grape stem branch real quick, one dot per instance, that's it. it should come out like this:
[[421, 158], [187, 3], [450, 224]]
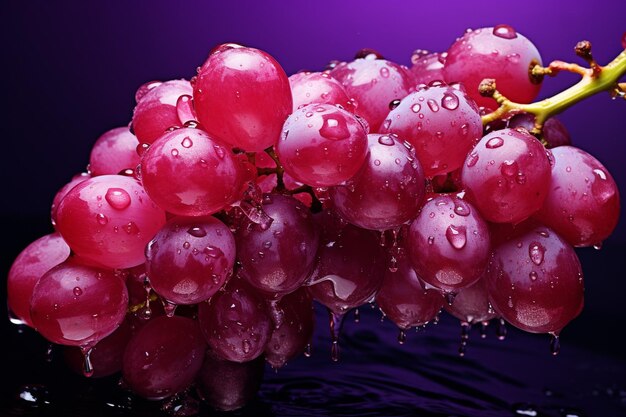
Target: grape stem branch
[[594, 79]]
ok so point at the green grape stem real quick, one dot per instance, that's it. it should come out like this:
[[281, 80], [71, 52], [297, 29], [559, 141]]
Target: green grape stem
[[593, 80]]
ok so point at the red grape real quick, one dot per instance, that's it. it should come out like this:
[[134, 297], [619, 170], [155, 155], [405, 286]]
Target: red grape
[[113, 152], [189, 174], [441, 122], [535, 281], [156, 112], [77, 179], [163, 357], [242, 97], [109, 220], [279, 258], [449, 243], [388, 189], [582, 204], [318, 88], [29, 266], [373, 84], [190, 258], [507, 176], [236, 322], [322, 145], [427, 67], [471, 304], [496, 52], [78, 305]]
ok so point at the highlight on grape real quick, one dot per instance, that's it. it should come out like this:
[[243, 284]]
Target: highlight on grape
[[201, 234]]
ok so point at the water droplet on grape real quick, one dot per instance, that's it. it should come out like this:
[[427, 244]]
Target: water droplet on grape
[[87, 365], [334, 127], [131, 228], [117, 198], [174, 152], [536, 251], [416, 108], [555, 343], [504, 32], [472, 159], [386, 140], [433, 105], [461, 208], [401, 337], [509, 168], [457, 236], [187, 143], [533, 276], [102, 219], [449, 101], [393, 104], [77, 291], [494, 143], [196, 231]]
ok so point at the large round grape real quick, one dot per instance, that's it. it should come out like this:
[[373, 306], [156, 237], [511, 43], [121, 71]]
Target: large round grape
[[318, 88], [507, 175], [373, 84], [535, 281], [279, 258], [190, 258], [29, 266], [236, 322], [471, 304], [403, 299], [242, 97], [322, 145], [156, 112], [114, 151], [497, 52], [448, 243], [388, 189], [186, 172], [109, 220], [78, 305], [582, 204], [441, 122], [350, 267], [163, 357]]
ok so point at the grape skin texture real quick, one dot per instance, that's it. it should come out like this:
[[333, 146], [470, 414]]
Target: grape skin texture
[[388, 189], [189, 259], [242, 98], [583, 203], [108, 220], [163, 357], [278, 259], [186, 172], [78, 305], [535, 281], [322, 145], [506, 57], [507, 175], [29, 266]]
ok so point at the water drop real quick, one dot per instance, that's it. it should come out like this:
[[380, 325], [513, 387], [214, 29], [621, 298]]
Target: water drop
[[501, 330], [533, 276], [431, 240], [186, 245], [449, 296], [169, 307], [213, 252], [509, 168], [465, 332], [433, 105], [131, 228], [457, 236], [536, 251], [472, 159], [196, 231], [377, 162], [555, 343], [449, 101], [505, 32], [597, 246], [494, 143], [174, 152], [102, 219], [187, 143], [384, 72], [78, 291], [219, 151], [386, 140], [357, 315], [464, 129], [416, 108], [461, 208], [246, 346], [87, 365], [393, 104], [483, 329], [335, 321], [117, 198], [402, 337], [334, 127]]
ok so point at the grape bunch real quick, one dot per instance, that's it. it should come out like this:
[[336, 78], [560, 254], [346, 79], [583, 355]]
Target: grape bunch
[[192, 249]]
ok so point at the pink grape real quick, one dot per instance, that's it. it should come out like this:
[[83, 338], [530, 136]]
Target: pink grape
[[496, 52], [427, 67], [279, 258], [535, 281], [350, 268], [388, 189], [187, 173], [471, 304], [29, 266], [583, 203], [373, 84], [163, 357], [236, 322], [105, 356], [109, 220], [228, 386], [318, 88], [78, 305], [441, 122], [553, 131], [294, 318], [190, 258], [156, 112], [403, 299], [322, 145], [449, 243], [507, 176], [242, 97], [113, 152], [77, 179]]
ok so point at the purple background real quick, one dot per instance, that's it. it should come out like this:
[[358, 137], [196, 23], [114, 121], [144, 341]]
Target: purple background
[[70, 71]]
